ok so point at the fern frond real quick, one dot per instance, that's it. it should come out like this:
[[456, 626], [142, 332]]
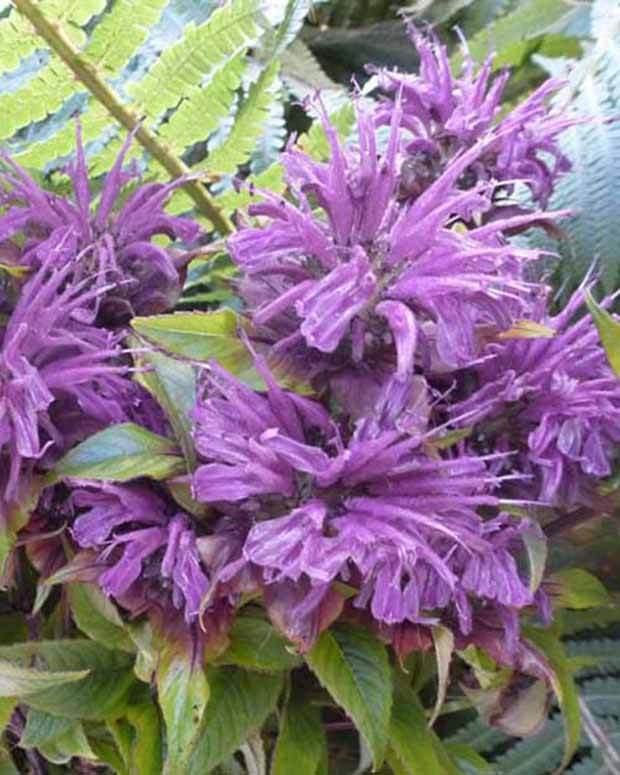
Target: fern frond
[[206, 106], [591, 188], [602, 696], [541, 753], [315, 142], [251, 118], [604, 655], [18, 40], [229, 30], [479, 736]]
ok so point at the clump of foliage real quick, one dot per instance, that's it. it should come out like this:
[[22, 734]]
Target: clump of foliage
[[289, 444]]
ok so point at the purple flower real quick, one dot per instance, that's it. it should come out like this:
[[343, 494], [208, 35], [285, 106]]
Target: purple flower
[[367, 506], [444, 115], [557, 400], [114, 243], [58, 376], [147, 554], [366, 281]]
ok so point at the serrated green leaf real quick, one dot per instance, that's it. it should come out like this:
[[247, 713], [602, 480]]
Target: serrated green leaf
[[100, 679], [97, 617], [255, 645], [183, 692], [240, 702], [173, 385], [58, 739], [576, 588], [146, 747], [301, 742], [548, 642], [201, 336], [609, 331], [353, 666], [412, 743], [120, 453], [18, 681]]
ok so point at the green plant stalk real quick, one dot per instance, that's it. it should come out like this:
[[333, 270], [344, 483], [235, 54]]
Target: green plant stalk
[[87, 74]]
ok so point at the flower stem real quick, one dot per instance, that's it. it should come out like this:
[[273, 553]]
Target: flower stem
[[89, 76]]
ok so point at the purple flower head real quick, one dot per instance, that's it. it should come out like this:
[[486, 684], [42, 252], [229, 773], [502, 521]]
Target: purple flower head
[[115, 242], [147, 554], [367, 505], [55, 371], [366, 281], [557, 399], [444, 115]]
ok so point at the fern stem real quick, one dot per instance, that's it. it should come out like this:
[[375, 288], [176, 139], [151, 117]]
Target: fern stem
[[88, 75]]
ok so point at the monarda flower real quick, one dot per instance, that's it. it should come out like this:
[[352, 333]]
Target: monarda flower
[[347, 276], [146, 554], [554, 398], [58, 376], [369, 506], [444, 115], [114, 241]]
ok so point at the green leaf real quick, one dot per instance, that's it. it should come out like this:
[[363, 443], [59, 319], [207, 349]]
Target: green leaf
[[536, 548], [576, 588], [609, 331], [7, 767], [173, 385], [18, 681], [548, 642], [301, 742], [256, 645], [58, 739], [201, 336], [412, 743], [183, 694], [120, 453], [240, 702], [146, 748], [443, 640], [42, 728], [99, 680], [530, 19], [353, 666], [7, 706], [97, 617]]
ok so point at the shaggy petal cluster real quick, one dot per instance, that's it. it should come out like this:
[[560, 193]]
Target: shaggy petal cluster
[[443, 115], [349, 276], [58, 375], [145, 553], [369, 508], [114, 241], [556, 400]]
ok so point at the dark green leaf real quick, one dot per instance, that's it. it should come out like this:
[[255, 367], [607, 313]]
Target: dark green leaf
[[16, 681], [353, 666], [97, 617], [101, 693], [255, 644], [58, 739], [240, 702], [120, 453], [301, 742]]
